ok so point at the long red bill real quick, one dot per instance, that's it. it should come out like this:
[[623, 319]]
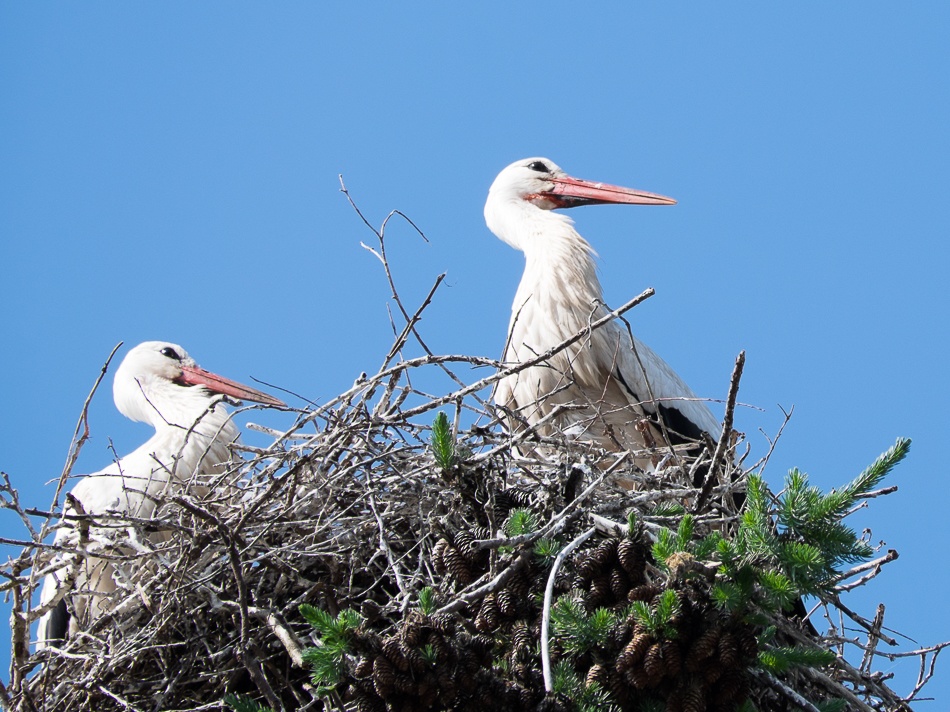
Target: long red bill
[[195, 376], [570, 192]]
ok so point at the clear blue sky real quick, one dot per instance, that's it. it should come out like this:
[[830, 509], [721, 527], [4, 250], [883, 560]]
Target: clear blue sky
[[169, 171]]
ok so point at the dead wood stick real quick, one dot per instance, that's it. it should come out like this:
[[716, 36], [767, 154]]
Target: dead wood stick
[[724, 436]]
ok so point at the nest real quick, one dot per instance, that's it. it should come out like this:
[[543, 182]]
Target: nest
[[351, 509]]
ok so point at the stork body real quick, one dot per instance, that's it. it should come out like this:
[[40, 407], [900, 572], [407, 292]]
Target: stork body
[[157, 383], [611, 388]]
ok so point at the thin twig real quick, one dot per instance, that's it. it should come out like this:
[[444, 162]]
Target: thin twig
[[548, 595]]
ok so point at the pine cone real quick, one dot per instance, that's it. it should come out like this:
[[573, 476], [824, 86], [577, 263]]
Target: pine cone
[[712, 671], [507, 603], [586, 566], [437, 555], [384, 678], [519, 586], [619, 584], [702, 648], [456, 565], [367, 702], [729, 690], [405, 684], [597, 675], [463, 542], [521, 637], [618, 686], [488, 615], [606, 552], [448, 690], [599, 592], [481, 649], [693, 699], [443, 622], [631, 558], [396, 654], [639, 678], [363, 668], [634, 651], [728, 650], [412, 632], [643, 593], [748, 643], [673, 657], [417, 663]]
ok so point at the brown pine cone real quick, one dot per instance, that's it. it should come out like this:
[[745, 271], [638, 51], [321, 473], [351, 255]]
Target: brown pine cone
[[728, 650], [363, 668], [702, 648], [384, 678], [619, 584], [597, 674], [631, 557], [644, 593], [456, 565], [396, 654], [437, 553], [693, 699], [673, 657]]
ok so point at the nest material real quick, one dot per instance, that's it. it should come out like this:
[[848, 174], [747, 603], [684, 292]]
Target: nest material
[[358, 515], [350, 510]]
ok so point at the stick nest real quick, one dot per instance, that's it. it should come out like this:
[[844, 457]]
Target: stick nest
[[352, 510]]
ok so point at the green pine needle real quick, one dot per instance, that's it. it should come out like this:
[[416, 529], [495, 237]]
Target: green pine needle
[[578, 631], [327, 661], [657, 619], [442, 442], [243, 703], [668, 509], [707, 546], [545, 548], [585, 698], [684, 533], [780, 659], [429, 653], [664, 547], [427, 600], [779, 589], [632, 523], [521, 521]]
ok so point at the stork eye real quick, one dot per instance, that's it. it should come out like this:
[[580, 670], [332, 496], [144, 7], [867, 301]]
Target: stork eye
[[170, 353], [539, 166]]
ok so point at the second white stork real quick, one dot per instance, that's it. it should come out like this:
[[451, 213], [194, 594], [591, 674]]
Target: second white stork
[[610, 387], [157, 383]]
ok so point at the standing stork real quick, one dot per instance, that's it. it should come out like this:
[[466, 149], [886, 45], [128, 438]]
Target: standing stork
[[157, 383], [611, 388]]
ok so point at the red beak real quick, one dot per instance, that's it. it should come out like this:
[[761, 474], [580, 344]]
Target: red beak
[[571, 192], [194, 376]]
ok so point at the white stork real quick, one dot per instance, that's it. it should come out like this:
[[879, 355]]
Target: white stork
[[613, 389], [160, 384]]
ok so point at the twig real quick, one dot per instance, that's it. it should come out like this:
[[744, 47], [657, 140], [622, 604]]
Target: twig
[[724, 437], [783, 689], [548, 595]]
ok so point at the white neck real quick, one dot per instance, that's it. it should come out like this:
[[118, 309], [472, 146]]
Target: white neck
[[559, 264], [192, 428]]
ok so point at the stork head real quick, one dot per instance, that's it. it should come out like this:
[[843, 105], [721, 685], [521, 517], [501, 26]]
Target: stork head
[[540, 183], [159, 383]]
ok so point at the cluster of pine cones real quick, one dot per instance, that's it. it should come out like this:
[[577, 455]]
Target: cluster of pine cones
[[488, 653], [430, 665], [700, 666]]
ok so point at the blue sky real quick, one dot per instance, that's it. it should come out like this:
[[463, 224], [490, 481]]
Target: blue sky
[[169, 171]]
